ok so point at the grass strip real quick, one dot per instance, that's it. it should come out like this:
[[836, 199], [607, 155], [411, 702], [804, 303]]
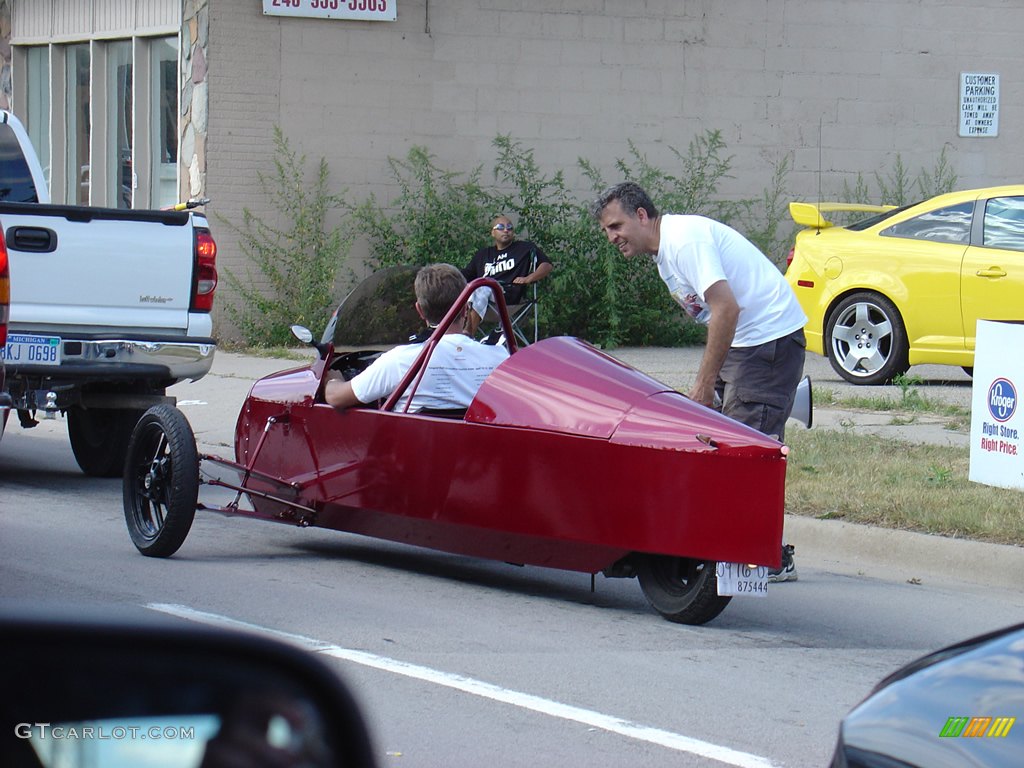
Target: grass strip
[[889, 483]]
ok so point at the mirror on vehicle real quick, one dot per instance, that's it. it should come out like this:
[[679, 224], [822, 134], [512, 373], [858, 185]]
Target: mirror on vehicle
[[303, 334], [81, 694]]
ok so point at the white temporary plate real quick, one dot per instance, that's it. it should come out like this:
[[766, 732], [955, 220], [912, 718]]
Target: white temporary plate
[[742, 580]]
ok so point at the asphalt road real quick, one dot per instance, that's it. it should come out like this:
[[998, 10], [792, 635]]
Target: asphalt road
[[476, 662]]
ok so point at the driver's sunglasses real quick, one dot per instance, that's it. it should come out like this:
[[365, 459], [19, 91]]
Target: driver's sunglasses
[[504, 227]]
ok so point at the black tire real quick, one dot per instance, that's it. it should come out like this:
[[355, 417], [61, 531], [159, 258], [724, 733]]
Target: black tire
[[161, 481], [969, 370], [99, 438], [866, 340], [681, 589]]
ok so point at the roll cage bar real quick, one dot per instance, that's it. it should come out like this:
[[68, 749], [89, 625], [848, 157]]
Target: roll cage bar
[[415, 373]]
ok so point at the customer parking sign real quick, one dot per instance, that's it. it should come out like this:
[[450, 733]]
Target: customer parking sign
[[997, 421]]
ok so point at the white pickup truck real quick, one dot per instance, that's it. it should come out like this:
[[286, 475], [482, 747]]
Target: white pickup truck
[[108, 308]]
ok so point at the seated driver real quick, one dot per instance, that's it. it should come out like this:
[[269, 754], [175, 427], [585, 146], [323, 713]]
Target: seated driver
[[456, 368]]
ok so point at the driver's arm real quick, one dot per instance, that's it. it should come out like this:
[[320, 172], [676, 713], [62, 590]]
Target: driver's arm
[[339, 393]]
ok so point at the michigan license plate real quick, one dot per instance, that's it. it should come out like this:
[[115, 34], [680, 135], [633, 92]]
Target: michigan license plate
[[739, 579], [22, 349]]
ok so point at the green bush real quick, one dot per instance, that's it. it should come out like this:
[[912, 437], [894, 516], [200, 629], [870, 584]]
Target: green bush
[[443, 215], [594, 293], [439, 216], [297, 259]]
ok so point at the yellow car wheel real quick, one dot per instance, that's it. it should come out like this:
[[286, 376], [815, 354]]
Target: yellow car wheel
[[866, 339]]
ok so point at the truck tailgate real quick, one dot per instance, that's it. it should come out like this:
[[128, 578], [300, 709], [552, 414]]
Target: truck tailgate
[[96, 268]]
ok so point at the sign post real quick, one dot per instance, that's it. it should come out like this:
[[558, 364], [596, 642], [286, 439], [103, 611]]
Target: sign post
[[997, 417]]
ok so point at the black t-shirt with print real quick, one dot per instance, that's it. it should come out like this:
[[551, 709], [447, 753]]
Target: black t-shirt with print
[[504, 266]]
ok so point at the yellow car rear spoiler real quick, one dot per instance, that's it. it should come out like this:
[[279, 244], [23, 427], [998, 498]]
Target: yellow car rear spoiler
[[809, 214]]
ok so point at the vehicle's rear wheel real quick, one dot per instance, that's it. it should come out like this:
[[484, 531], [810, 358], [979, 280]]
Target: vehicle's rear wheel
[[867, 342], [99, 438], [681, 589], [161, 481]]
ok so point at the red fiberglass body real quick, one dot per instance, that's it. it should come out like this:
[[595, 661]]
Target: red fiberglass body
[[567, 458]]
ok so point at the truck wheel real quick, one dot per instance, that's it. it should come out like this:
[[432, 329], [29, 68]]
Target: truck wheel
[[161, 481], [681, 589], [99, 438]]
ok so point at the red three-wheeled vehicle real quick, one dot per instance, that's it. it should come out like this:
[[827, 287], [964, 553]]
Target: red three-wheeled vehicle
[[567, 458]]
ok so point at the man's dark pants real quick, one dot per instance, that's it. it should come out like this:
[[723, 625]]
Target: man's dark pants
[[758, 384]]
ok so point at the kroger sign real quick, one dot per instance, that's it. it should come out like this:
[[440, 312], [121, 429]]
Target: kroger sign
[[1002, 399]]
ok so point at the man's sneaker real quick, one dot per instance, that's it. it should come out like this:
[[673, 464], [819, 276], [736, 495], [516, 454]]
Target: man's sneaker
[[788, 570]]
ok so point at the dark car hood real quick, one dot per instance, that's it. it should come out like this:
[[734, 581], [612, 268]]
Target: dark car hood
[[901, 721]]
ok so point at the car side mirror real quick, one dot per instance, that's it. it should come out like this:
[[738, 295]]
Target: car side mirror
[[303, 334], [167, 693]]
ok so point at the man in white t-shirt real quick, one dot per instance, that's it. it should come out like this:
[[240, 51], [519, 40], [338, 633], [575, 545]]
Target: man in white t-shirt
[[457, 366], [754, 357]]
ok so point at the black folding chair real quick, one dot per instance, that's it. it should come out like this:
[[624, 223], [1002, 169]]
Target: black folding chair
[[519, 313]]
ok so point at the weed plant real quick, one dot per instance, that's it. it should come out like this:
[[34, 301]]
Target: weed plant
[[899, 187], [910, 400], [291, 259], [438, 216]]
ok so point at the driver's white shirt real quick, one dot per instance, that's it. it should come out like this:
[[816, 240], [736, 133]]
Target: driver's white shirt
[[455, 371]]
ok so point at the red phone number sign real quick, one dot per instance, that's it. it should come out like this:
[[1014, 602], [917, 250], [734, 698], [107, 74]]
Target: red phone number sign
[[363, 10]]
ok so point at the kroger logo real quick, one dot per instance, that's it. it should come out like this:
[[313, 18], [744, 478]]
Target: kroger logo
[[1002, 399]]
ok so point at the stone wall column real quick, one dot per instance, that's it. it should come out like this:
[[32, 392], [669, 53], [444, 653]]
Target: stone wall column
[[6, 89], [194, 98]]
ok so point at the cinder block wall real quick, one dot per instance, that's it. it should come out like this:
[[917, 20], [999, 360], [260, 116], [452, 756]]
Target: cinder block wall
[[841, 85]]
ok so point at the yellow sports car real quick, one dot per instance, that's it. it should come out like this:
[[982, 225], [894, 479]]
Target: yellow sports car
[[908, 285]]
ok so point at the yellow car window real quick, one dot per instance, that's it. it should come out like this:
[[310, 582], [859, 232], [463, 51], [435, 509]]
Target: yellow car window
[[1004, 223], [944, 225]]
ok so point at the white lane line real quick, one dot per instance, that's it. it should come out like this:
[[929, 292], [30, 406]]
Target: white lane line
[[609, 723]]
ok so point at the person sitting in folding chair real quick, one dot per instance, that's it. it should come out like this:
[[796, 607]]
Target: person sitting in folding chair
[[514, 264]]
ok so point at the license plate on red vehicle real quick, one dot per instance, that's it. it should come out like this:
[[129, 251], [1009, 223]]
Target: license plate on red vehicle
[[24, 349], [739, 579]]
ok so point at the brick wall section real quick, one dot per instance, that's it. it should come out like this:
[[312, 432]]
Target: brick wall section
[[574, 78], [244, 105]]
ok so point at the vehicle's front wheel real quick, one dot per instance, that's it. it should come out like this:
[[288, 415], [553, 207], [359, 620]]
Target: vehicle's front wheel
[[867, 342], [161, 481], [99, 438], [681, 589]]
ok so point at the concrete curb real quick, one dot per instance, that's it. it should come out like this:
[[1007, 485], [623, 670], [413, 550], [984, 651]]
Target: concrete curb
[[903, 555]]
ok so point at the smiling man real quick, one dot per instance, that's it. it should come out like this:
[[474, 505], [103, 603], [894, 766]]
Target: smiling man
[[754, 357]]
